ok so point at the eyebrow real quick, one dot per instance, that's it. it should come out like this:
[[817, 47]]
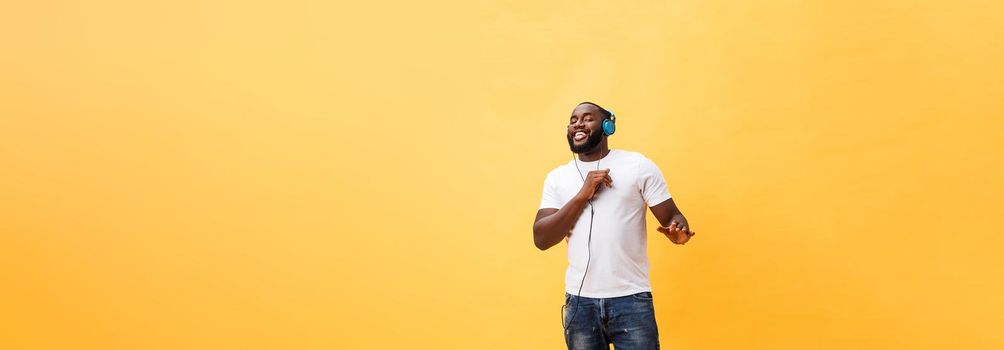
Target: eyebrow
[[583, 114]]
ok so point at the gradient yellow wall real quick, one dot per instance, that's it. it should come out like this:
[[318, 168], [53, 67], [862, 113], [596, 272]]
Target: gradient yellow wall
[[309, 175]]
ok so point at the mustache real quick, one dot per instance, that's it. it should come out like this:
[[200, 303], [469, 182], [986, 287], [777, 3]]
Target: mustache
[[571, 133]]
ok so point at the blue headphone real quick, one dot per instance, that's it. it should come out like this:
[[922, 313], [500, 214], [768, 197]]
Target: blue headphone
[[608, 125]]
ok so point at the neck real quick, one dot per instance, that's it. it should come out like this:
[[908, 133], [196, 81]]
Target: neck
[[595, 154]]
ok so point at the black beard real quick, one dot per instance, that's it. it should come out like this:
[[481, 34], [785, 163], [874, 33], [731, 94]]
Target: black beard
[[591, 143]]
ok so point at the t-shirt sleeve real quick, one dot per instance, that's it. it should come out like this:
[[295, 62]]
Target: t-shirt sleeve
[[651, 182], [549, 197]]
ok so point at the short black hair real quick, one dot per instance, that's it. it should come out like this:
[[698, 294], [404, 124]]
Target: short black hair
[[604, 110]]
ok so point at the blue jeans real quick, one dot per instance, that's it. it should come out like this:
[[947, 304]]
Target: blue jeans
[[628, 322]]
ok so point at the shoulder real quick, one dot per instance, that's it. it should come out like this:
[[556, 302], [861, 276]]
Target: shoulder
[[557, 171], [633, 157], [641, 164]]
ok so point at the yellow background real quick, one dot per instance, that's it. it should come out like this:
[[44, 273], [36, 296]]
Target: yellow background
[[308, 175]]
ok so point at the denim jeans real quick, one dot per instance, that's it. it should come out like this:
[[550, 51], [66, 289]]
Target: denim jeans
[[628, 322]]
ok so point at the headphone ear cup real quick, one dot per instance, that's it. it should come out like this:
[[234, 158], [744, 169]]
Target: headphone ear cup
[[609, 127]]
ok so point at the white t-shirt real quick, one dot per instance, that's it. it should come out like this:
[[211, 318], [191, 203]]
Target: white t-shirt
[[618, 259]]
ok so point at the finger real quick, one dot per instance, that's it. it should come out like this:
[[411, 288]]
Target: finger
[[662, 229], [597, 185], [692, 233], [684, 229]]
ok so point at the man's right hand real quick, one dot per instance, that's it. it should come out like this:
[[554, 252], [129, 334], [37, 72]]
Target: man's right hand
[[593, 182]]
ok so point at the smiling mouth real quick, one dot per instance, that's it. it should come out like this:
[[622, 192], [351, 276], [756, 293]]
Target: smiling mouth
[[579, 136]]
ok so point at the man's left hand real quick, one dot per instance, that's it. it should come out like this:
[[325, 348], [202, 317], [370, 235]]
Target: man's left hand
[[677, 233]]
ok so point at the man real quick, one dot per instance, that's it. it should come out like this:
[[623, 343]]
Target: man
[[608, 297]]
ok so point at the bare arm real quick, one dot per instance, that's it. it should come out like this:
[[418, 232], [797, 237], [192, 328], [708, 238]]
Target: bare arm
[[672, 222], [552, 225]]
